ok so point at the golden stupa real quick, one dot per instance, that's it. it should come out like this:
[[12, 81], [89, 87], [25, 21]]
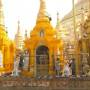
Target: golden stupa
[[43, 46], [6, 46]]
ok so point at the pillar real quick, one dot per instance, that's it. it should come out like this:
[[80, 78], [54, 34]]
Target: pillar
[[32, 63], [7, 59], [51, 64], [2, 69]]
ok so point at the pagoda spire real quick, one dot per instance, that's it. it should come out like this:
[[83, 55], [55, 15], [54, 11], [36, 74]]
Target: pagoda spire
[[42, 12], [25, 34], [18, 37], [18, 29], [1, 13], [58, 22], [57, 19]]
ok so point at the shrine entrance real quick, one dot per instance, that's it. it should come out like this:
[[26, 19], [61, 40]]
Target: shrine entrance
[[42, 61]]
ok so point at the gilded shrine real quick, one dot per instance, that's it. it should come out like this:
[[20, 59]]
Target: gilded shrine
[[7, 47], [43, 46]]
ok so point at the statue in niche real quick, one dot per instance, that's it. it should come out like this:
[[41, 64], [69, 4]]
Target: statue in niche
[[85, 67], [57, 67], [16, 66], [21, 63], [67, 70], [42, 33], [72, 66], [26, 60]]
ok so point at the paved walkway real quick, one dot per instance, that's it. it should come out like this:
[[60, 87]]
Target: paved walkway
[[22, 83]]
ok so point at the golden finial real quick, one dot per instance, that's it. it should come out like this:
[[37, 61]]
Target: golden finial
[[18, 27], [25, 33], [1, 13], [58, 22], [42, 12]]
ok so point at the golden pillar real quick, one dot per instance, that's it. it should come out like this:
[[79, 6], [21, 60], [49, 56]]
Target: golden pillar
[[51, 64], [7, 59], [32, 63], [77, 59]]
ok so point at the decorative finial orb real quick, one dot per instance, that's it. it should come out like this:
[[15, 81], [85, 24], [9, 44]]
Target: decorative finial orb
[[42, 0]]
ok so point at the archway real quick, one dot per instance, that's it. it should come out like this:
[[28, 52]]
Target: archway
[[42, 61]]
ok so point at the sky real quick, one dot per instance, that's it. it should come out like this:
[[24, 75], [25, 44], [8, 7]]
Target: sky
[[26, 12]]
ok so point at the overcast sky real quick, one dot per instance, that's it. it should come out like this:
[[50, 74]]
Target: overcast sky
[[26, 11]]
